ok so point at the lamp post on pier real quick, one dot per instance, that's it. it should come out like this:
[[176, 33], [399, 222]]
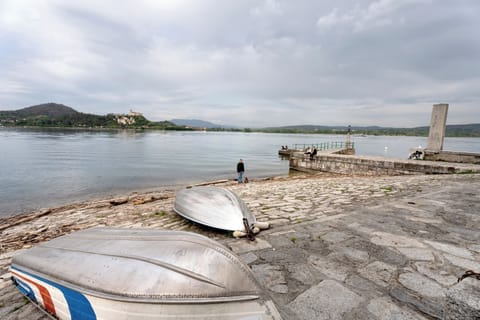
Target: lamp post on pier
[[348, 144]]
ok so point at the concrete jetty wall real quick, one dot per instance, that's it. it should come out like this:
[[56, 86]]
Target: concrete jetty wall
[[290, 152], [453, 156], [362, 165]]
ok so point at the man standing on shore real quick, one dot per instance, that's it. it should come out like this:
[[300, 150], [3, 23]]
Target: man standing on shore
[[240, 170]]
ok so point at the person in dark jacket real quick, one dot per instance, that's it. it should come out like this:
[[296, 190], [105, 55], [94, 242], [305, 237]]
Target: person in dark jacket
[[240, 171]]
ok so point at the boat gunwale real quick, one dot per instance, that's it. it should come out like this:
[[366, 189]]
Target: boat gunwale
[[139, 298], [155, 298]]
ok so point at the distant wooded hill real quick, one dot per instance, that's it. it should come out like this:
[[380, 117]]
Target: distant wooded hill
[[59, 115], [461, 130], [458, 130], [195, 123]]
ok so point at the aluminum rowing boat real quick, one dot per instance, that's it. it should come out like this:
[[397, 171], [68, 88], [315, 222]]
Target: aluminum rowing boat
[[105, 273], [214, 207]]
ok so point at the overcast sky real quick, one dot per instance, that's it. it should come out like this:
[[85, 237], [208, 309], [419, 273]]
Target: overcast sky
[[250, 63]]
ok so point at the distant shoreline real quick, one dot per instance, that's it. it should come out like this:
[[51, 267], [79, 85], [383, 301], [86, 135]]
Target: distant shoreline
[[48, 115], [401, 132], [87, 128]]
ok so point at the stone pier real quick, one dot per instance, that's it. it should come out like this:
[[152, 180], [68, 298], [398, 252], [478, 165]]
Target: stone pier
[[363, 165], [434, 150]]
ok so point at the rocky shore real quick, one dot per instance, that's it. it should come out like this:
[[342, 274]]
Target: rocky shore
[[338, 247]]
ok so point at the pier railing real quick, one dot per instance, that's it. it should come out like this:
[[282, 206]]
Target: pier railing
[[324, 145]]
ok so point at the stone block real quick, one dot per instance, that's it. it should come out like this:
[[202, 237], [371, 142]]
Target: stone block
[[417, 253], [248, 258], [430, 270], [466, 264], [269, 276], [330, 268], [421, 285], [463, 302], [451, 249], [5, 283], [474, 247], [384, 309], [392, 240], [354, 254], [378, 272], [327, 300], [243, 245], [336, 236], [301, 273], [432, 307]]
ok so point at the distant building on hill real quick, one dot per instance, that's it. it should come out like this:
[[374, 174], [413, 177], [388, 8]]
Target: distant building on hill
[[127, 119], [135, 114], [124, 120]]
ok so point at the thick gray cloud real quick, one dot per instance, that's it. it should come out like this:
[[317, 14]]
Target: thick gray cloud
[[250, 63]]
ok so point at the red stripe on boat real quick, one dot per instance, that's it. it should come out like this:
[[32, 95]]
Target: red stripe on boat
[[47, 299]]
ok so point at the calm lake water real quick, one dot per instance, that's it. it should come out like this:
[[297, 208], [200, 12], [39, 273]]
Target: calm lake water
[[46, 168]]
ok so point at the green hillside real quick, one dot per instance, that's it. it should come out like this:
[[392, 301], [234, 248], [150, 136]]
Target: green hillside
[[460, 130], [59, 115]]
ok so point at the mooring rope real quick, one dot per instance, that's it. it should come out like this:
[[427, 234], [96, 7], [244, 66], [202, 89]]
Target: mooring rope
[[248, 229], [469, 274]]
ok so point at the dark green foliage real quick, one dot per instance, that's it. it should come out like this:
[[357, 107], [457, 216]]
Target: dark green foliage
[[463, 130], [60, 116]]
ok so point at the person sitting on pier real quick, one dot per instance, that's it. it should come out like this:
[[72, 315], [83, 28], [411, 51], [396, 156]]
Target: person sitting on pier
[[417, 155], [314, 153]]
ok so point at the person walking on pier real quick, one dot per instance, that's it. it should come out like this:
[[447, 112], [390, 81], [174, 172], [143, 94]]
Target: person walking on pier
[[240, 170]]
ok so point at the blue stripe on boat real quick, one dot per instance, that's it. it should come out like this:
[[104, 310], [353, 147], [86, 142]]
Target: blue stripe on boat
[[25, 289], [79, 307]]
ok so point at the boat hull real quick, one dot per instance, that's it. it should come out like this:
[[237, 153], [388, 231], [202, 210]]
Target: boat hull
[[215, 207], [80, 290]]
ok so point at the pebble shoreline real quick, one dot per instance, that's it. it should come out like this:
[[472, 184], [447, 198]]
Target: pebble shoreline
[[388, 246]]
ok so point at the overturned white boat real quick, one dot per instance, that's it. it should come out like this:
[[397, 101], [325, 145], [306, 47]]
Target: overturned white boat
[[105, 273], [215, 207]]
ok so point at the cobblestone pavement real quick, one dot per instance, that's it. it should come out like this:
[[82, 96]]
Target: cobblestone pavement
[[338, 247]]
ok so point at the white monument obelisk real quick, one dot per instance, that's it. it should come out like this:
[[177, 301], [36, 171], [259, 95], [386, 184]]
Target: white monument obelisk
[[436, 134]]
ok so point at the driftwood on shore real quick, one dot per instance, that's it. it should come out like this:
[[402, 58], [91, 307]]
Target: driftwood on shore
[[16, 220], [117, 202], [209, 183], [24, 230]]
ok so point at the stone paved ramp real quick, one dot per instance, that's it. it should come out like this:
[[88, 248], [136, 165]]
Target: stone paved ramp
[[339, 248], [390, 258]]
